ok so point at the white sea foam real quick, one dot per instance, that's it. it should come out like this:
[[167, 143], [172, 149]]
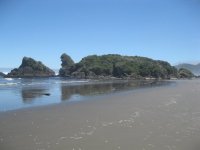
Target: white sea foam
[[8, 79], [71, 82], [7, 84]]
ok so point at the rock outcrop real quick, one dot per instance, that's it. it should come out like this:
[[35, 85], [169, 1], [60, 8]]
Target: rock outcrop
[[31, 68], [117, 66], [185, 73], [67, 64], [2, 74]]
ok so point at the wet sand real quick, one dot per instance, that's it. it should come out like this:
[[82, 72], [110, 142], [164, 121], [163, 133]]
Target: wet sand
[[158, 118]]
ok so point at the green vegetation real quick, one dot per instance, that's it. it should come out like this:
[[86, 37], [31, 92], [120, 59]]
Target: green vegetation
[[67, 63], [66, 60], [104, 66], [120, 66], [185, 73], [33, 64]]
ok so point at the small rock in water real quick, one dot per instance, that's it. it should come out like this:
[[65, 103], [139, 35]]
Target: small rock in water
[[47, 94]]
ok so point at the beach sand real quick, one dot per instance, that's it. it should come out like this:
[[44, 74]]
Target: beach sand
[[157, 118]]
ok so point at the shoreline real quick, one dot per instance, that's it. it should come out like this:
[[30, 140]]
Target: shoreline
[[157, 118], [146, 85]]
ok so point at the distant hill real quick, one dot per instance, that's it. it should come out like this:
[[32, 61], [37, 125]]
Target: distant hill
[[195, 69]]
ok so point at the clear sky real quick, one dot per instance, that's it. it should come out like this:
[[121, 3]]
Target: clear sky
[[44, 29]]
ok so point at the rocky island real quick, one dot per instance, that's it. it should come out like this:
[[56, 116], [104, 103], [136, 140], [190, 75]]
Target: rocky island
[[31, 68], [117, 66], [110, 66]]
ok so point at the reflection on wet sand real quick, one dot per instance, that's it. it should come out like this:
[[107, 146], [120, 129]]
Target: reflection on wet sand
[[30, 94], [98, 88], [35, 91]]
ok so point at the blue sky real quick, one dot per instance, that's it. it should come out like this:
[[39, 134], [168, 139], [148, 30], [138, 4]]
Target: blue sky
[[44, 29]]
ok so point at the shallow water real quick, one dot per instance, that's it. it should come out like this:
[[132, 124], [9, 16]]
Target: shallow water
[[19, 93]]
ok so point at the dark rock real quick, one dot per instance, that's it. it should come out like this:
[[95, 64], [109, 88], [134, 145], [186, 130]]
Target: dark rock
[[2, 74], [66, 64], [47, 94], [91, 75], [31, 68], [66, 60], [78, 75]]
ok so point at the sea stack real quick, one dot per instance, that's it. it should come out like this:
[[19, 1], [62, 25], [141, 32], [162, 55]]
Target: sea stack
[[31, 68], [67, 64]]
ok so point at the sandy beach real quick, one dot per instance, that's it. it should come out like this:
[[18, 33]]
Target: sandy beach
[[157, 118]]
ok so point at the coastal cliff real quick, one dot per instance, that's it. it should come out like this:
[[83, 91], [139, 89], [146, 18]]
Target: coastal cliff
[[31, 68]]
